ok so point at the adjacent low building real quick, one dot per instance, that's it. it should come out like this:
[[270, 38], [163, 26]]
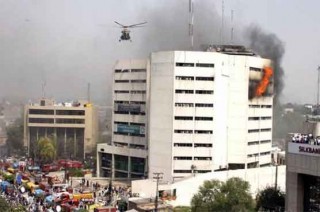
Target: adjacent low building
[[73, 126]]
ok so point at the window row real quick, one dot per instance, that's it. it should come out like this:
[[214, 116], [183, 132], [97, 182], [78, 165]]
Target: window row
[[255, 118], [129, 70], [191, 118], [259, 130], [190, 145], [132, 92], [205, 65], [192, 105], [131, 124], [57, 112], [257, 154], [260, 106], [180, 171], [190, 158], [255, 69], [197, 78], [130, 113], [130, 102], [192, 91], [132, 81], [57, 121], [195, 131], [257, 142]]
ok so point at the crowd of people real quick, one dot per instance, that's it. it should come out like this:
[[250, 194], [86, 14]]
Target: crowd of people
[[305, 138]]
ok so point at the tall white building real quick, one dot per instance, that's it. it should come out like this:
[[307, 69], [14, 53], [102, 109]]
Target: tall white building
[[201, 117]]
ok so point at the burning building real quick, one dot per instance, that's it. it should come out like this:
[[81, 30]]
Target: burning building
[[202, 111]]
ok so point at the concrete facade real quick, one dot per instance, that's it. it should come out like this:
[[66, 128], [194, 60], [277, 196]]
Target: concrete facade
[[73, 126], [197, 115], [201, 118]]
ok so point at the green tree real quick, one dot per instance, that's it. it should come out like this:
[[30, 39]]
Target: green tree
[[270, 199], [46, 150], [182, 209], [15, 137], [231, 196]]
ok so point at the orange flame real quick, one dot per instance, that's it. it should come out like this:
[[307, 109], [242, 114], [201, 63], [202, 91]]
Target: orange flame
[[263, 84]]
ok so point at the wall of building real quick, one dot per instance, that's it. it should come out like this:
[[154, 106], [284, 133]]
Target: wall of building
[[259, 178]]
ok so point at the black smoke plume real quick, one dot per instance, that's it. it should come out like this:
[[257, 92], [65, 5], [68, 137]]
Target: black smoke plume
[[271, 47]]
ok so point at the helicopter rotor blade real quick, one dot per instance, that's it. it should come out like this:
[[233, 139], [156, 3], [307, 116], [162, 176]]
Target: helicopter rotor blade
[[120, 24], [135, 25]]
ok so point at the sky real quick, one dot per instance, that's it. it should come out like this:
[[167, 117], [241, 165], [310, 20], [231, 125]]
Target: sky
[[66, 44]]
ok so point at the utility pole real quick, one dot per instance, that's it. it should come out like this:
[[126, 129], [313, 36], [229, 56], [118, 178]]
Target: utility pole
[[276, 180], [157, 176]]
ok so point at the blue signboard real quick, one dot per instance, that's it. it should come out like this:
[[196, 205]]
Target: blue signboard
[[133, 129]]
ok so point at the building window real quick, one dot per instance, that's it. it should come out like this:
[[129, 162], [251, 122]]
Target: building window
[[205, 65], [203, 105], [184, 104], [70, 112], [184, 91], [250, 143], [40, 120], [121, 81], [205, 78], [254, 106], [182, 145], [253, 131], [264, 153], [202, 171], [182, 158], [42, 112], [117, 70], [266, 130], [203, 131], [265, 141], [255, 69], [70, 121], [254, 118], [185, 64], [202, 145], [121, 102], [202, 158], [266, 106], [253, 155], [137, 92], [184, 78], [266, 118], [116, 91], [183, 118], [181, 171], [204, 92], [183, 131], [203, 118], [138, 81], [138, 70]]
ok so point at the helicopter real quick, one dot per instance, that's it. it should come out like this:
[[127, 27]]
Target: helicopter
[[126, 32]]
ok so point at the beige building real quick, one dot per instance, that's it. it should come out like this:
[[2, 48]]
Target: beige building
[[74, 125]]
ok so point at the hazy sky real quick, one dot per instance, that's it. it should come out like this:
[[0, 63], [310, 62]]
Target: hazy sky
[[68, 43]]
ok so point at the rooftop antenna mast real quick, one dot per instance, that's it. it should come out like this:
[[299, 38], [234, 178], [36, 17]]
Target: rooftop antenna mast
[[88, 93], [232, 28], [318, 86], [43, 85], [191, 12], [222, 23]]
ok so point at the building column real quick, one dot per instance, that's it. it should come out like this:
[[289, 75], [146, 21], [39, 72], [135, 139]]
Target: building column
[[129, 167], [98, 163], [112, 167]]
